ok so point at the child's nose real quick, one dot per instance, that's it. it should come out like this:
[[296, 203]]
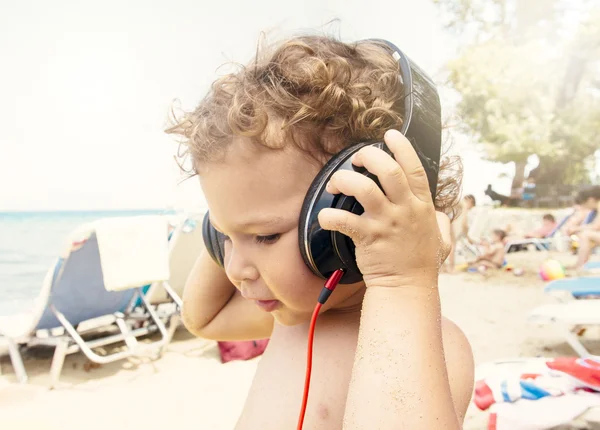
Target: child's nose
[[239, 268]]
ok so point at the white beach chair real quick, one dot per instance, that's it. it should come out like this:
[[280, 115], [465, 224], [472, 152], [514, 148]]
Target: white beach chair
[[568, 317], [185, 245]]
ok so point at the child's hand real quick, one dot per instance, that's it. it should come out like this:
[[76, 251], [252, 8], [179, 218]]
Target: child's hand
[[400, 239]]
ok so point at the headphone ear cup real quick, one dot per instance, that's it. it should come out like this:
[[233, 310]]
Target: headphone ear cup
[[213, 241], [325, 251]]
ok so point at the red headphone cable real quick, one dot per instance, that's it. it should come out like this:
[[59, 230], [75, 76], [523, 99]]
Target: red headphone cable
[[330, 285]]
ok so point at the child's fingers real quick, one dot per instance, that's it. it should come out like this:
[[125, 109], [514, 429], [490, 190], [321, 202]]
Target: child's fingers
[[408, 159], [343, 221], [364, 189], [388, 172]]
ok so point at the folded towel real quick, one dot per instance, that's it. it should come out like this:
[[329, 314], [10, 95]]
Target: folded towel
[[134, 251], [549, 378], [242, 350], [542, 414]]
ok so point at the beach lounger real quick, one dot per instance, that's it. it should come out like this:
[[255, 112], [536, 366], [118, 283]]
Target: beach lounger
[[567, 317], [185, 246], [592, 266], [519, 245], [579, 288], [97, 276], [544, 244], [465, 249]]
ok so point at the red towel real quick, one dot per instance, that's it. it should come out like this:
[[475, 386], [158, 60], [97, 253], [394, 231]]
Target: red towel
[[242, 350]]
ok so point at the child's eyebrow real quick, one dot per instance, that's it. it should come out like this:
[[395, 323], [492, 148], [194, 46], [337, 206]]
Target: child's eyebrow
[[253, 223], [264, 222]]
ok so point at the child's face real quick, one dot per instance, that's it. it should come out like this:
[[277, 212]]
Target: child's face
[[255, 196]]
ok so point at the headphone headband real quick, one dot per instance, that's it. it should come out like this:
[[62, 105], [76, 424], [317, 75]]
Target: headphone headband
[[422, 112]]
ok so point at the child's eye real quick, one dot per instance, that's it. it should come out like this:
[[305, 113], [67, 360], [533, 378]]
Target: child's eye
[[267, 239]]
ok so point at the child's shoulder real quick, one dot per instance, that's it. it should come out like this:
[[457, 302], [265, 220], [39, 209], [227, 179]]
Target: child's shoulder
[[459, 362], [453, 335]]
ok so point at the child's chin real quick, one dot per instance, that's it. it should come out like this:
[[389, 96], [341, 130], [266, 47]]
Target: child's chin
[[289, 318]]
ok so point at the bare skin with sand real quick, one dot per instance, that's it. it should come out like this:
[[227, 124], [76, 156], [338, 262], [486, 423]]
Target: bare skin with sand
[[276, 394]]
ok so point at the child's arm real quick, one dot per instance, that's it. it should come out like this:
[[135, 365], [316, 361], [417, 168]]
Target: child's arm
[[404, 375], [485, 245], [214, 309], [574, 222], [537, 234], [410, 371], [487, 253]]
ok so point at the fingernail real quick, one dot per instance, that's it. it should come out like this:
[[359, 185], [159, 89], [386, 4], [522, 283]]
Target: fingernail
[[391, 133]]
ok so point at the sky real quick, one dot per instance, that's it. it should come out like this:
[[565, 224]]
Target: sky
[[86, 88]]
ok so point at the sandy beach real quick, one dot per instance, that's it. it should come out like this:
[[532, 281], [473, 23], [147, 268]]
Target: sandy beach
[[190, 387]]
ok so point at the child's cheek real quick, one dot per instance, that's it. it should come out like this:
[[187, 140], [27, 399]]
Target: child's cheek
[[289, 277], [297, 285]]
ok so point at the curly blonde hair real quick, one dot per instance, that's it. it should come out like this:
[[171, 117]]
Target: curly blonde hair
[[314, 92]]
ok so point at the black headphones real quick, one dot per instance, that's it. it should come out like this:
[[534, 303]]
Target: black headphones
[[326, 251]]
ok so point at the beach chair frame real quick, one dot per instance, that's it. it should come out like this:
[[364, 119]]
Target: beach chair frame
[[569, 317], [72, 341]]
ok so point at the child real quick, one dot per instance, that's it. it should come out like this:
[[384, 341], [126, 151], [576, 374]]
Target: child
[[460, 228], [257, 141], [493, 254]]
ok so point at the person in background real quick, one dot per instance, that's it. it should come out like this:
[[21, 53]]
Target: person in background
[[492, 256], [528, 195], [460, 229], [588, 234], [547, 227], [580, 213]]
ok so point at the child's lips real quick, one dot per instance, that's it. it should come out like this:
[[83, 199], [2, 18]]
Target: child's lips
[[267, 305]]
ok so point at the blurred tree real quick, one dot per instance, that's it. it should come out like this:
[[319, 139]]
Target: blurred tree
[[527, 75]]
